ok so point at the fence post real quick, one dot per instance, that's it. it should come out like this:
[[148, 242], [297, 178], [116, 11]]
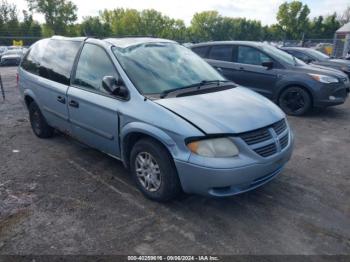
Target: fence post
[[2, 89]]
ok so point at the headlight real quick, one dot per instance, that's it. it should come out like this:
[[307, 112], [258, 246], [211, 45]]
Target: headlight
[[215, 147], [324, 79]]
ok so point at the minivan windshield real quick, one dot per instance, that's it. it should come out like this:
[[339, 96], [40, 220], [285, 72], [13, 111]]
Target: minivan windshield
[[159, 67], [282, 55]]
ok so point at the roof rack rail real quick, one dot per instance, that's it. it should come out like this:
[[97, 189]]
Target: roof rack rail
[[77, 38]]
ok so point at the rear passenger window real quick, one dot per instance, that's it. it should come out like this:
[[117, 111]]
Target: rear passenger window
[[32, 60], [251, 55], [201, 51], [93, 65], [58, 60], [221, 52]]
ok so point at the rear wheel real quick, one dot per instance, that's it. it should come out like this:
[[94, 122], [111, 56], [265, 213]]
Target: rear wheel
[[39, 125], [295, 101], [154, 171]]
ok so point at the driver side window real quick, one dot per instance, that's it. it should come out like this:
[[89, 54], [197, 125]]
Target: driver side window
[[93, 65], [251, 56]]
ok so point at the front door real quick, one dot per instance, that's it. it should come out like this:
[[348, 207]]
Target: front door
[[250, 73], [93, 113]]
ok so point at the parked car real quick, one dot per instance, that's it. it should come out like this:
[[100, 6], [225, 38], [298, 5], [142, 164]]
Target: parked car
[[347, 56], [11, 57], [178, 126], [3, 49], [295, 86], [315, 57]]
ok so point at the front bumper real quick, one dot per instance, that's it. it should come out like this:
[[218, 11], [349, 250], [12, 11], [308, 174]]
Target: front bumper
[[221, 182], [332, 94]]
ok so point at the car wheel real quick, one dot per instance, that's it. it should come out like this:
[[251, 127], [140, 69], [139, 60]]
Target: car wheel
[[295, 101], [39, 125], [154, 171]]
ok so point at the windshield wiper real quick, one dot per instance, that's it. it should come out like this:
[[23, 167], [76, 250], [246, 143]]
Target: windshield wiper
[[198, 85]]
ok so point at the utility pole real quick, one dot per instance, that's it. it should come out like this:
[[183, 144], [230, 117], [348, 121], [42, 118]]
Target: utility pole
[[2, 89]]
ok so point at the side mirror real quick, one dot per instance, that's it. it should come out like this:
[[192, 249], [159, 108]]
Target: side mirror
[[219, 69], [115, 86], [268, 64]]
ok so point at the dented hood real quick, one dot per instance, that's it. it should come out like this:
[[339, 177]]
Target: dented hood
[[234, 110]]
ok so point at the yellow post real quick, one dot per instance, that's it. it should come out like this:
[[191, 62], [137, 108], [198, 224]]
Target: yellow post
[[17, 43]]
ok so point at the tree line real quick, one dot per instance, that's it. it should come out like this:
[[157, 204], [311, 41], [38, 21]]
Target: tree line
[[293, 23]]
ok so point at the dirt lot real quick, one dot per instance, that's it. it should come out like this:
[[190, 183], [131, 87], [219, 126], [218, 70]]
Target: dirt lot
[[60, 197]]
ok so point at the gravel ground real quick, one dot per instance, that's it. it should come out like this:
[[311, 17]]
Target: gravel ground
[[60, 197]]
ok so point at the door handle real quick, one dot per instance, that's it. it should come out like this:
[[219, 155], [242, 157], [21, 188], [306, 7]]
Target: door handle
[[61, 99], [73, 103], [241, 68]]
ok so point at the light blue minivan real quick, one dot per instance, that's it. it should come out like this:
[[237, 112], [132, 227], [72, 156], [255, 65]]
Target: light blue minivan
[[173, 120]]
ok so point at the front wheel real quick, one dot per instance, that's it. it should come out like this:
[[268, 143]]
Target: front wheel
[[295, 101], [154, 171]]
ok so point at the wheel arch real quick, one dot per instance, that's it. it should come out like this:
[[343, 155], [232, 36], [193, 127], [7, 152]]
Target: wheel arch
[[29, 97], [133, 132], [303, 86]]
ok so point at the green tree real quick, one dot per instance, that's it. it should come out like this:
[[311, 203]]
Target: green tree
[[316, 28], [206, 26], [93, 26], [331, 24], [209, 25], [122, 21], [128, 22], [9, 24], [273, 32], [59, 14], [152, 22], [323, 27], [293, 19]]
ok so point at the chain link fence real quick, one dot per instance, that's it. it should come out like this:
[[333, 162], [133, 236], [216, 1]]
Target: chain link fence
[[332, 47], [18, 40]]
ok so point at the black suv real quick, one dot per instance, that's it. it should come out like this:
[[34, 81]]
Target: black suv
[[294, 85], [309, 55]]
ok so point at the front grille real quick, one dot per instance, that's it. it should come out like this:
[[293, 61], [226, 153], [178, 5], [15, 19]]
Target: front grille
[[280, 126], [266, 151], [284, 141], [257, 136], [268, 140]]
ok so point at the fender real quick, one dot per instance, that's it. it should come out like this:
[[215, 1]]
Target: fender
[[156, 133]]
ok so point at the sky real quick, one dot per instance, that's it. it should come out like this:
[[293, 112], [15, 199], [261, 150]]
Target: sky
[[263, 10]]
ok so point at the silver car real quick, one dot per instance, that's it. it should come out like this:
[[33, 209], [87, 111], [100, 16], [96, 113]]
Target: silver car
[[11, 57], [173, 120]]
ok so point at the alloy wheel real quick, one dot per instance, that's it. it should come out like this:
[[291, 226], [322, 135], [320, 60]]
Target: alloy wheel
[[148, 171], [294, 101]]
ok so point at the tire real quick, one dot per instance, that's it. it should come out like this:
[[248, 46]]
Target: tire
[[295, 101], [158, 167], [39, 125]]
